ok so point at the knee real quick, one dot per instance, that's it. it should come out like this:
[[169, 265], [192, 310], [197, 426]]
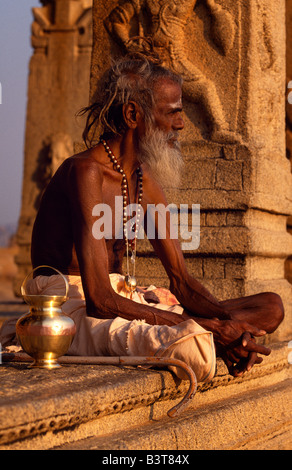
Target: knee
[[275, 304]]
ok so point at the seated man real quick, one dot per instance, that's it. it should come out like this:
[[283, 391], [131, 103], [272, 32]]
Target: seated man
[[139, 114]]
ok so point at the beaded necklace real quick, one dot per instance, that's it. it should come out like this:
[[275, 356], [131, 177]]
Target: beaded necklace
[[131, 243]]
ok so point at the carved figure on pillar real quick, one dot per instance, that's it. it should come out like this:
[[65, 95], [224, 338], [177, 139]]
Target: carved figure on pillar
[[166, 30]]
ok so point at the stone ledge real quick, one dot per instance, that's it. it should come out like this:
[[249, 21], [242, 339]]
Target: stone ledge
[[43, 409], [252, 421]]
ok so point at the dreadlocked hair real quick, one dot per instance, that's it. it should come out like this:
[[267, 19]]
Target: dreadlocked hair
[[130, 78]]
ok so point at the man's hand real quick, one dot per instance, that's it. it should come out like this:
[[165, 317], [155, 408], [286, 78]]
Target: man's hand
[[238, 348]]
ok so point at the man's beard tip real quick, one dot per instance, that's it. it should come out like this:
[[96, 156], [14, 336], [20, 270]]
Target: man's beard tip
[[164, 160]]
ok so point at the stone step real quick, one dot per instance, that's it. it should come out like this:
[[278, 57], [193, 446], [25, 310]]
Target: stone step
[[110, 407], [255, 420]]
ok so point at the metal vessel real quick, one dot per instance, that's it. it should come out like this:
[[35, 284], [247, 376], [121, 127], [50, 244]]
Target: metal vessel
[[45, 332]]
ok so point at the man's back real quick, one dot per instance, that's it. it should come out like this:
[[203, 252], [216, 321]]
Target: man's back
[[52, 239]]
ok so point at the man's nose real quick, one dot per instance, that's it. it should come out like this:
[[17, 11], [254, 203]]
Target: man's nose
[[179, 123]]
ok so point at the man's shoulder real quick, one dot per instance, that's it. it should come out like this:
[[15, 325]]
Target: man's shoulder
[[83, 164]]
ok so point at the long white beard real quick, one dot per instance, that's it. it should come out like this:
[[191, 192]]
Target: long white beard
[[162, 153]]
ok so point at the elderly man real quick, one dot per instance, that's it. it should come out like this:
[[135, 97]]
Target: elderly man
[[139, 114]]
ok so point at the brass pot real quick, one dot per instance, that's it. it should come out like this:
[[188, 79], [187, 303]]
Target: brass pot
[[45, 332]]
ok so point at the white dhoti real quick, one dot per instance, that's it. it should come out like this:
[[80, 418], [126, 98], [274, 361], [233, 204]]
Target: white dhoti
[[187, 341]]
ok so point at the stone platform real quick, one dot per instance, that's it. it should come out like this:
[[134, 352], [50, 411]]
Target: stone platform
[[83, 407]]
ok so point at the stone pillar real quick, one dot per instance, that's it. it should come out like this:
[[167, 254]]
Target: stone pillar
[[58, 88], [289, 80], [232, 58], [288, 265]]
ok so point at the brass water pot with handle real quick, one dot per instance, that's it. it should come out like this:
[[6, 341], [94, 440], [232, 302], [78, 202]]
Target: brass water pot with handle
[[45, 332]]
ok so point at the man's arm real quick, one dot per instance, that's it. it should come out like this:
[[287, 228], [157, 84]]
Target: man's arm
[[194, 297], [84, 183], [234, 337], [118, 22]]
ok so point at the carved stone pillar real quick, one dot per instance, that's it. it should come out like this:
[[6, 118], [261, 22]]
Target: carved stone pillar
[[58, 87], [232, 58]]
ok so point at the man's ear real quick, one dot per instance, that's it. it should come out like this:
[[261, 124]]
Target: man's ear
[[131, 114]]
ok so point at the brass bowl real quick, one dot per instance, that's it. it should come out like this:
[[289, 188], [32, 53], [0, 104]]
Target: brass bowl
[[45, 332]]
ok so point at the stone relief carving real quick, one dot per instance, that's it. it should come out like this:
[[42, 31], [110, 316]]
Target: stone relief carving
[[134, 22], [266, 48], [61, 147], [54, 150]]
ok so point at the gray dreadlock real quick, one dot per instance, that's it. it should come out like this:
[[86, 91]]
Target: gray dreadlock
[[130, 78]]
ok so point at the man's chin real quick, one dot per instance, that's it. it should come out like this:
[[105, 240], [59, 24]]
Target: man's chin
[[174, 144]]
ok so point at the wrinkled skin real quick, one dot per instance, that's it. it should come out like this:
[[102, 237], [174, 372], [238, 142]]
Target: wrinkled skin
[[62, 237]]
